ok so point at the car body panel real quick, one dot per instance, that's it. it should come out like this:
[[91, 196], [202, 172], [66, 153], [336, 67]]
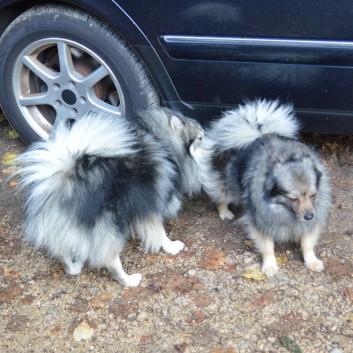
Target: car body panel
[[206, 56]]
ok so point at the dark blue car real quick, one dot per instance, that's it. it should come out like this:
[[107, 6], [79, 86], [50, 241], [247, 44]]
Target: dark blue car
[[60, 59]]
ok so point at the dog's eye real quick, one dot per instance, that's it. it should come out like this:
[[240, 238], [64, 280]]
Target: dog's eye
[[292, 199]]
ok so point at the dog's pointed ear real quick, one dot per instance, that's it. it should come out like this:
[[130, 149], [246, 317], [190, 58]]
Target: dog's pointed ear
[[176, 124]]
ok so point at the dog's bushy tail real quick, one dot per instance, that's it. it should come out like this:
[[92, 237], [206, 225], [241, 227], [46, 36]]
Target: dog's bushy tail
[[46, 165], [241, 126]]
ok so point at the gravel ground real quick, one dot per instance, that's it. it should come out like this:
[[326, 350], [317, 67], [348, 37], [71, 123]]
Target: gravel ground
[[197, 301]]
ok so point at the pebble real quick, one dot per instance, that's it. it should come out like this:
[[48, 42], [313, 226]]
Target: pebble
[[142, 316], [335, 350], [191, 272], [181, 301]]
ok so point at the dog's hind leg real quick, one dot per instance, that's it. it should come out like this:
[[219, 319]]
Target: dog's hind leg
[[308, 242], [71, 267], [224, 212], [154, 236], [115, 267]]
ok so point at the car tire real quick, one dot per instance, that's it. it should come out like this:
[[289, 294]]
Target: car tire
[[58, 62]]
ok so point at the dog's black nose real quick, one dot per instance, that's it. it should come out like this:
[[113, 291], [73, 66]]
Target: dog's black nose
[[308, 216]]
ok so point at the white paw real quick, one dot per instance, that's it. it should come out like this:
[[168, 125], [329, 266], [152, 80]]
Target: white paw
[[226, 215], [173, 247], [131, 280], [74, 268], [270, 269], [315, 265]]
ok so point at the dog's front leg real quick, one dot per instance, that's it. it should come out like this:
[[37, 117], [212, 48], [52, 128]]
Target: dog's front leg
[[308, 242]]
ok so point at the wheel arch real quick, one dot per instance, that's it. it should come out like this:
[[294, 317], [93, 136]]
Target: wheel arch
[[122, 23]]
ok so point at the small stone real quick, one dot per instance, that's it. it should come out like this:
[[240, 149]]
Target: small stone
[[247, 260], [142, 316], [191, 272], [83, 331], [323, 254], [336, 350], [181, 301]]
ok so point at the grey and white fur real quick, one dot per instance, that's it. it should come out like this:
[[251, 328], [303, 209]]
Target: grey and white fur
[[251, 156], [102, 179]]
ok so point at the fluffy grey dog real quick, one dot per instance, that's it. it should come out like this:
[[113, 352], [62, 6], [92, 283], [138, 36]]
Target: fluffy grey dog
[[101, 179], [251, 156]]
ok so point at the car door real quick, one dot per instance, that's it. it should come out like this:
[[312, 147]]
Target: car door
[[218, 53]]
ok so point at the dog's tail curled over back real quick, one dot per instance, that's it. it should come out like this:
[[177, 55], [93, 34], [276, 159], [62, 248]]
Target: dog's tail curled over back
[[241, 126], [46, 165]]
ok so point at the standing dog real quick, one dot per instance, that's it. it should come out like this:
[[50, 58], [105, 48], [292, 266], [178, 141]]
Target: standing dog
[[101, 179], [250, 155]]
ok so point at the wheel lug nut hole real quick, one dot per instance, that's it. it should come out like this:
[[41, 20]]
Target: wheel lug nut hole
[[72, 85], [57, 104], [56, 87], [83, 100]]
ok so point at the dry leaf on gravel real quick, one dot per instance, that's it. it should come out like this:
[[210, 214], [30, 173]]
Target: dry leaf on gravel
[[262, 300], [10, 273], [255, 274], [9, 171], [101, 300], [249, 243], [9, 158], [281, 260], [83, 331], [13, 134], [212, 259], [13, 183]]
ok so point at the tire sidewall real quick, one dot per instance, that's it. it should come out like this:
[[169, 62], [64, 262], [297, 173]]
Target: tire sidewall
[[90, 33]]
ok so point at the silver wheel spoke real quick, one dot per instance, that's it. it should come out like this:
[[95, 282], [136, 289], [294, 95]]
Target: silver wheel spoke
[[97, 103], [94, 77], [65, 60], [44, 73], [35, 99]]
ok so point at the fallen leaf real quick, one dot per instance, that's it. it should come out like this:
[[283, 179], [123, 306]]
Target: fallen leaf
[[13, 183], [249, 243], [255, 274], [12, 292], [11, 273], [212, 259], [9, 171], [144, 339], [80, 305], [55, 331], [281, 260], [101, 300], [289, 344], [262, 300], [223, 350], [203, 300], [9, 158], [83, 331], [13, 134], [196, 317]]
